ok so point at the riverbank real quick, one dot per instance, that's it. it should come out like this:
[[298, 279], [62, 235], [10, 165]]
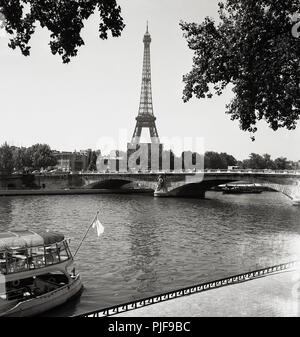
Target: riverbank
[[5, 193]]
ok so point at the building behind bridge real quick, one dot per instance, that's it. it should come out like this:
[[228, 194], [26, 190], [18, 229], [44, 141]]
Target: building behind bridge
[[72, 161]]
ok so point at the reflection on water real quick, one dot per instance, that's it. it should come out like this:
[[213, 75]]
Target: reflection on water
[[6, 214], [151, 245]]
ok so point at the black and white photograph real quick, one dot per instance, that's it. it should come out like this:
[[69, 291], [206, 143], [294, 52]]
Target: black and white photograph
[[149, 161]]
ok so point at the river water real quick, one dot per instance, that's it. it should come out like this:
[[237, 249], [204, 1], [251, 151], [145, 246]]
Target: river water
[[153, 245]]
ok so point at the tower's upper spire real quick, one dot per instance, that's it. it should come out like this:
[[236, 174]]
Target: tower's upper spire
[[147, 36]]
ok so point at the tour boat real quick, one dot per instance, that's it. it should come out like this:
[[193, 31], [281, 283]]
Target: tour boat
[[240, 189], [36, 272]]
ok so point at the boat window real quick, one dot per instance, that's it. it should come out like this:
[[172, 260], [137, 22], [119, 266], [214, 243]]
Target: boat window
[[22, 259], [63, 252], [36, 257], [2, 263], [16, 260], [51, 255], [68, 250]]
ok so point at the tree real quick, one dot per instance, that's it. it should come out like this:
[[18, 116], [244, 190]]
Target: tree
[[255, 162], [213, 160], [6, 159], [253, 49], [228, 159], [21, 159], [63, 18], [282, 164], [258, 162], [269, 163], [41, 156]]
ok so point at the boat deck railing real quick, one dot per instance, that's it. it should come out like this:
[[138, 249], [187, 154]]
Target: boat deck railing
[[248, 276], [22, 263]]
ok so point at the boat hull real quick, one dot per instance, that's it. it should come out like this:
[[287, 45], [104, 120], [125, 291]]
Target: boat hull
[[161, 194], [45, 302]]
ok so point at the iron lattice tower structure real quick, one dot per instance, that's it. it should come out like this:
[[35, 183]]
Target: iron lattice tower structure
[[146, 118]]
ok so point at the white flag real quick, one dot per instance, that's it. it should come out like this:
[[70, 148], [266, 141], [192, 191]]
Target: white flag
[[97, 224]]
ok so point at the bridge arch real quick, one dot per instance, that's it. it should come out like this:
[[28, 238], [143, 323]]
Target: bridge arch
[[199, 189], [109, 184]]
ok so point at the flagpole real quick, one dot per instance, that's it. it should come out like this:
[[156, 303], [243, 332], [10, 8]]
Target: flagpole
[[96, 216]]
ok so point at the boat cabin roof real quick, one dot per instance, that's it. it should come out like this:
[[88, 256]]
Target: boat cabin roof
[[28, 238]]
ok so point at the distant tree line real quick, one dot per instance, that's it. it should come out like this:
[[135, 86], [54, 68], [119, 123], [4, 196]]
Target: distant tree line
[[214, 160], [265, 161], [22, 159], [40, 156]]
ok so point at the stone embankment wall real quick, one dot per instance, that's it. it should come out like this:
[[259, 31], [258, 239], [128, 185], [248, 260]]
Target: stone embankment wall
[[39, 182]]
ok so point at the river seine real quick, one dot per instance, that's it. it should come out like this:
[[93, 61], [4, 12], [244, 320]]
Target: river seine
[[153, 245]]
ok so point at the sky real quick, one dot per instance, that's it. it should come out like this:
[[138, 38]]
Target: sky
[[95, 98]]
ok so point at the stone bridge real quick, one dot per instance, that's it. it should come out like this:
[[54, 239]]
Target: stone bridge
[[194, 184], [171, 184]]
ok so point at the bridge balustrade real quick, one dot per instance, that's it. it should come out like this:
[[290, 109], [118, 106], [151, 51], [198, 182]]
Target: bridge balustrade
[[264, 171]]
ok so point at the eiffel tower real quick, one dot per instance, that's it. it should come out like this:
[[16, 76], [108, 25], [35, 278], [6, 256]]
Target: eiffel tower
[[146, 118]]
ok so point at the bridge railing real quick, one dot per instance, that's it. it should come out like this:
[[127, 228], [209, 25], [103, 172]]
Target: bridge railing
[[291, 172], [266, 171], [251, 275]]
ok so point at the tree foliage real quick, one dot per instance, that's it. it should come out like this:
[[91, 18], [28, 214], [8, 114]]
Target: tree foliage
[[283, 164], [6, 159], [215, 160], [41, 156], [23, 159], [63, 18], [252, 48], [259, 162]]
